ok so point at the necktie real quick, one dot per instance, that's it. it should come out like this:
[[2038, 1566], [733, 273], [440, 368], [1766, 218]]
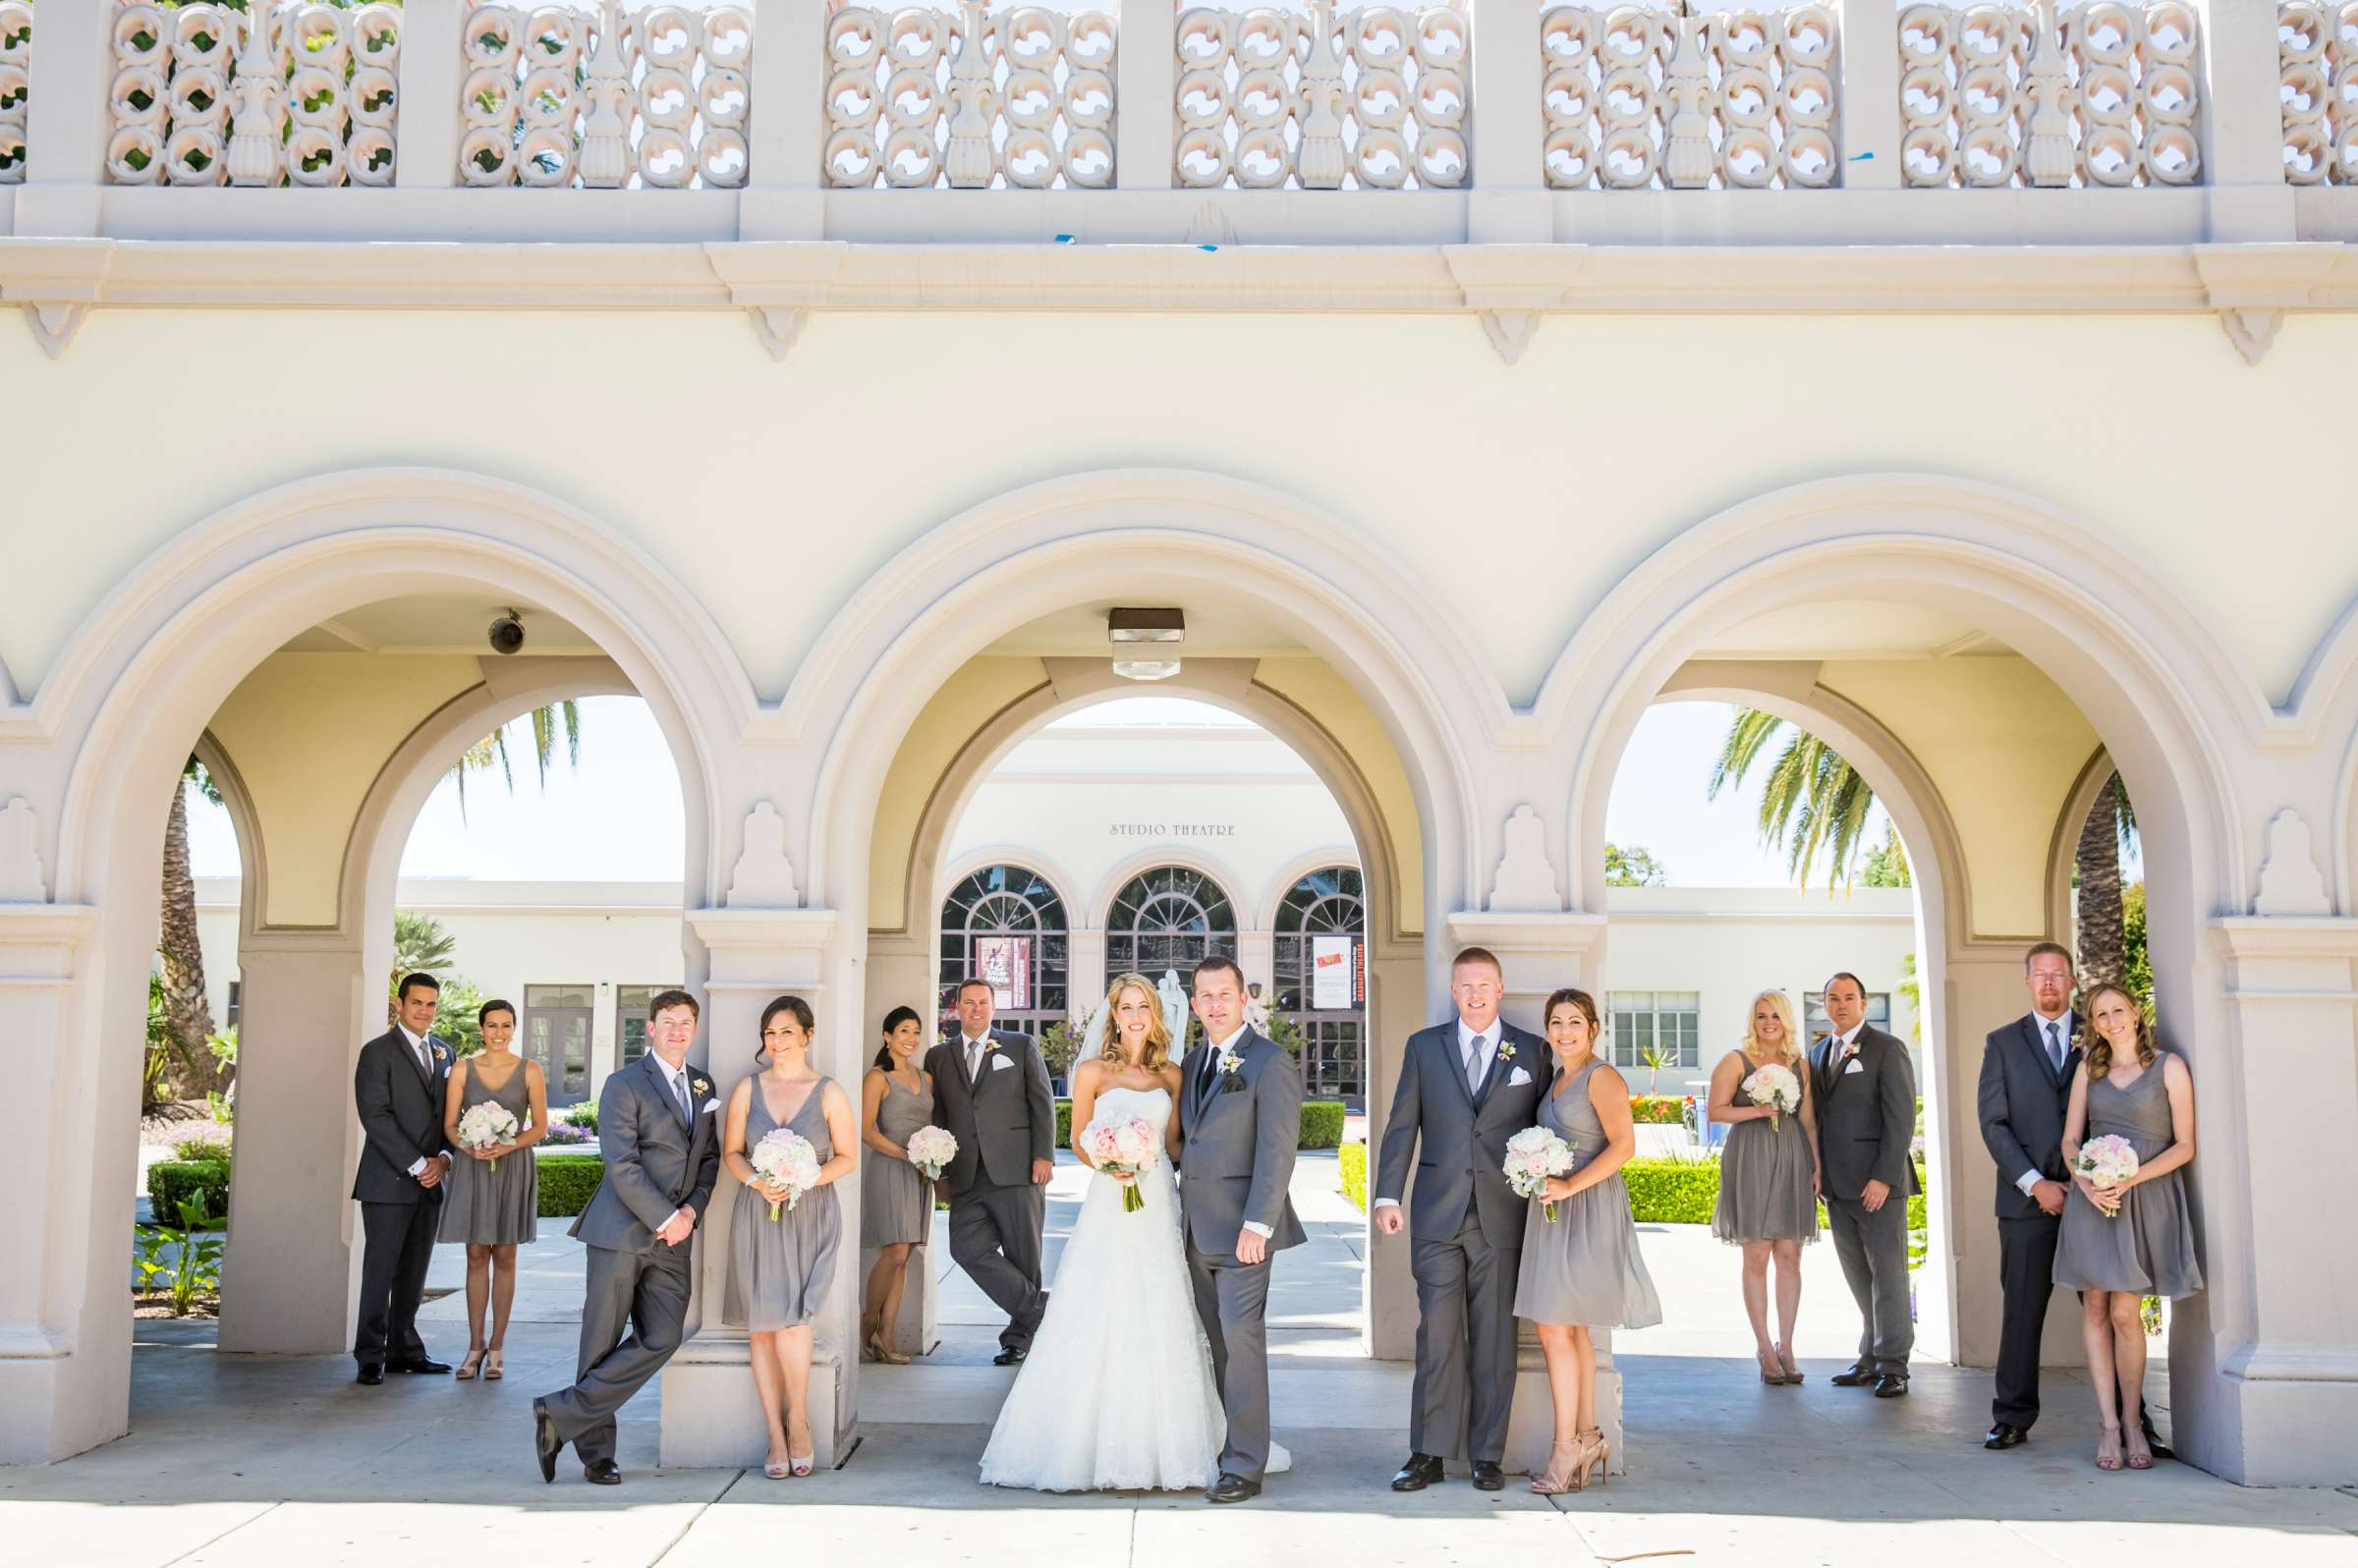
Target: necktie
[[418, 1052], [974, 1059], [2055, 1044], [1473, 1064], [679, 1091], [1210, 1076]]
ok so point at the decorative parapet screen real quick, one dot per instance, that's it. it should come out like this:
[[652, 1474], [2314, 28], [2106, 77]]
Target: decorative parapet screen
[[1371, 98], [1638, 97], [586, 97], [200, 97], [16, 71], [913, 103], [2102, 93], [2317, 48]]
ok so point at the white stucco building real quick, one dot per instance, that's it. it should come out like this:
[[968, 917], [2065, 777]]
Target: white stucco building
[[1974, 392]]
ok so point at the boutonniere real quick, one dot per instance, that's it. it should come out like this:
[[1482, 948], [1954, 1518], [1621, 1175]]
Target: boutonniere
[[1232, 1062], [1506, 1050], [700, 1085]]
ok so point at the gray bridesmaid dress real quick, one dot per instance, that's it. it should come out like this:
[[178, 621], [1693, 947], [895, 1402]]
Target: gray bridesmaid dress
[[486, 1207], [1585, 1266], [896, 1202], [779, 1271], [2149, 1246], [1764, 1171]]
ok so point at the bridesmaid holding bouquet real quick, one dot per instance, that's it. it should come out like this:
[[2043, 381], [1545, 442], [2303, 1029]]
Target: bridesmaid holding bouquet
[[494, 1201]]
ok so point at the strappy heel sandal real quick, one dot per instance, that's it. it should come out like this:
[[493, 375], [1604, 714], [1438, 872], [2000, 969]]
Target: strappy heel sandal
[[468, 1365], [1773, 1370], [2107, 1449], [1594, 1455], [492, 1370], [1561, 1460], [2141, 1457], [1784, 1359]]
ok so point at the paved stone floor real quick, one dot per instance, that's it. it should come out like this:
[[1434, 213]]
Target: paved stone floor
[[266, 1459]]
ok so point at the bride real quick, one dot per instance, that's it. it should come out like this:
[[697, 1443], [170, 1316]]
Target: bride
[[1118, 1393]]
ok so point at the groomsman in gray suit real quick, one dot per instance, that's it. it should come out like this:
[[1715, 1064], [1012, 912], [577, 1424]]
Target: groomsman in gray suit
[[661, 1144], [1240, 1122], [398, 1087], [1466, 1087], [990, 1090], [1866, 1121]]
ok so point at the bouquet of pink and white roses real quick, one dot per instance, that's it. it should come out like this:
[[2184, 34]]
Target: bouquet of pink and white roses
[[487, 1125], [1776, 1088], [2106, 1162], [785, 1159], [1123, 1146], [930, 1150], [1534, 1156]]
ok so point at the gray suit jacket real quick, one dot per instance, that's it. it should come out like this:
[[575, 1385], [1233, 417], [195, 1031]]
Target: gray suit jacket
[[1462, 1163], [2022, 1100], [656, 1161], [1236, 1158], [1867, 1119], [401, 1117], [1003, 1120]]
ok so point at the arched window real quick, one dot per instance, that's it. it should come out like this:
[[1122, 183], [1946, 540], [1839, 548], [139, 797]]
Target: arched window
[[1007, 925], [1321, 980], [1168, 918]]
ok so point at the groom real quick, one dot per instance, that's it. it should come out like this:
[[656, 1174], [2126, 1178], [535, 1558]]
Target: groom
[[1240, 1120]]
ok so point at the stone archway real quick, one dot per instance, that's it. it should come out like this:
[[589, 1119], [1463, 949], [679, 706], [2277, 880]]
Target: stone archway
[[127, 702]]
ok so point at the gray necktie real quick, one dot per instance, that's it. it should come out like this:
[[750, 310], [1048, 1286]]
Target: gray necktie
[[974, 1061], [2055, 1044], [1473, 1064]]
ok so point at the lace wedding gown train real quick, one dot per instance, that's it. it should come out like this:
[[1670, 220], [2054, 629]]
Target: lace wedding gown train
[[1117, 1394]]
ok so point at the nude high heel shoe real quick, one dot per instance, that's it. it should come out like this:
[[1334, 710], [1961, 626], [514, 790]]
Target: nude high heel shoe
[[1562, 1458], [1593, 1453]]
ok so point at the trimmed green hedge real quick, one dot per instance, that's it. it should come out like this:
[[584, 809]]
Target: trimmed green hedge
[[566, 1183], [1353, 1158], [1677, 1192], [173, 1182], [1321, 1124]]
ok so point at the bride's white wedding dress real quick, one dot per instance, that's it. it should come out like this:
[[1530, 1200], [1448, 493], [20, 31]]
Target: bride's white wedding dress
[[1117, 1393]]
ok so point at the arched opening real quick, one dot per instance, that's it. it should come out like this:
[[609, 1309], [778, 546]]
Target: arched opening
[[1008, 924], [1172, 916], [1320, 933]]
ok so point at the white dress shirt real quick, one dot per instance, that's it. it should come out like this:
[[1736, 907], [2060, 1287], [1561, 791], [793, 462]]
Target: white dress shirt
[[1468, 1041], [2031, 1178], [1214, 1053], [1843, 1045], [422, 1054]]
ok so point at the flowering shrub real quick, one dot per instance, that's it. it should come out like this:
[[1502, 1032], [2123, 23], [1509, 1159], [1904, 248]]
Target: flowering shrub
[[1657, 1111]]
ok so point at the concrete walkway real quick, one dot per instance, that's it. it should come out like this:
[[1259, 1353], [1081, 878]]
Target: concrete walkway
[[264, 1460]]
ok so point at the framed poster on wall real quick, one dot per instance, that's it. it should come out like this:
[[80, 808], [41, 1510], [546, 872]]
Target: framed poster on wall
[[1005, 962]]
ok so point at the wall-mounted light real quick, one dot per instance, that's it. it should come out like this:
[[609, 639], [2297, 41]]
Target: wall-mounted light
[[1145, 642]]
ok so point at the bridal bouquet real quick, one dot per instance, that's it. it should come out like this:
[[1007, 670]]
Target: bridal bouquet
[[1533, 1156], [785, 1159], [1123, 1146], [487, 1125], [1775, 1087], [930, 1150], [2106, 1162]]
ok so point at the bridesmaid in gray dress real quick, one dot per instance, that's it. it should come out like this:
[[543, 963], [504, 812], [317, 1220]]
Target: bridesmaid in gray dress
[[1768, 1200], [896, 1202], [494, 1198], [780, 1269], [1582, 1268], [2118, 1245]]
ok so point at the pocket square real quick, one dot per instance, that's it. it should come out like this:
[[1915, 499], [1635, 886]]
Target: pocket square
[[1854, 1067], [1232, 1084], [1519, 1078], [712, 1107], [997, 1062]]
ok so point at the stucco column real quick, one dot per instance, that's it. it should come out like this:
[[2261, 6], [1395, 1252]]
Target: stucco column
[[1506, 127], [711, 1412], [66, 121], [1541, 952], [782, 198], [1257, 956], [2263, 1364], [54, 1381], [290, 1276], [426, 151], [1085, 976], [1867, 122], [899, 974], [2242, 124], [1145, 80]]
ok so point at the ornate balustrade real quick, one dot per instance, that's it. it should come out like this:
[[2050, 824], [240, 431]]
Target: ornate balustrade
[[657, 98], [2317, 49], [1638, 97], [283, 94], [2100, 93], [1017, 99], [16, 85], [1373, 98]]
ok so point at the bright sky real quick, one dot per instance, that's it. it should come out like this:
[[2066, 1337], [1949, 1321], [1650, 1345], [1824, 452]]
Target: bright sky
[[618, 816]]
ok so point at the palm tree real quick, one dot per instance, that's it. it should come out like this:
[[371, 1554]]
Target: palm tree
[[493, 749], [421, 945], [2108, 833], [1814, 803], [187, 1015]]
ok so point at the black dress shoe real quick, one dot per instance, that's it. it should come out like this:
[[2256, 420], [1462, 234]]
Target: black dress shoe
[[422, 1366], [2005, 1434], [602, 1472], [1231, 1489], [371, 1373], [1891, 1385], [1421, 1472], [1853, 1377], [545, 1441], [1487, 1476], [1012, 1356]]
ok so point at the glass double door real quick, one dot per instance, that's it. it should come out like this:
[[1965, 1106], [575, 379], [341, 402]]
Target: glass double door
[[557, 1024]]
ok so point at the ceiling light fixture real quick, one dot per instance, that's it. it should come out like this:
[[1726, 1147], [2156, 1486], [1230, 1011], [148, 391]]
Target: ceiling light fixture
[[1145, 642]]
